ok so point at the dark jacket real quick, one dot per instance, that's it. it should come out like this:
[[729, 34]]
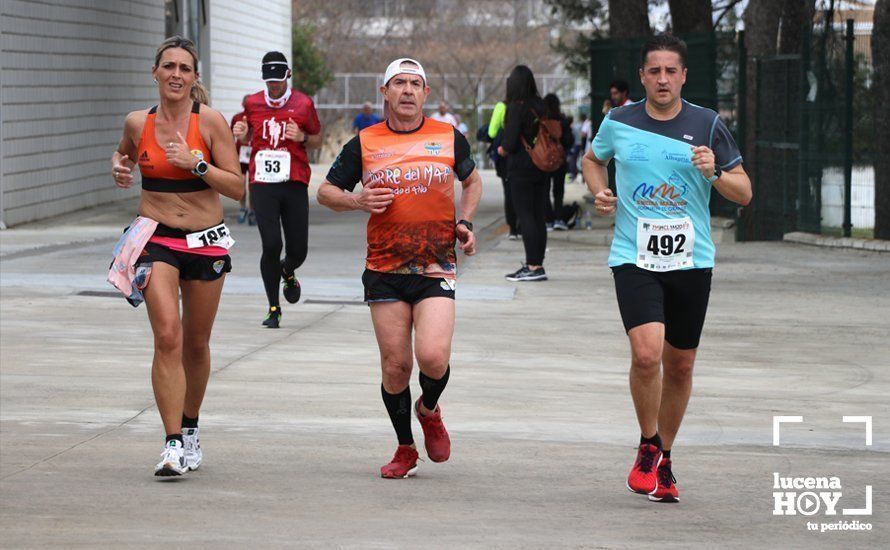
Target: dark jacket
[[521, 122]]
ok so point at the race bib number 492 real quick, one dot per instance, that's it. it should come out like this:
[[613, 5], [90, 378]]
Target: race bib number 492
[[665, 244], [272, 166]]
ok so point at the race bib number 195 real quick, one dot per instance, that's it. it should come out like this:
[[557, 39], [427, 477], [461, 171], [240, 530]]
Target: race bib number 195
[[665, 244], [272, 166]]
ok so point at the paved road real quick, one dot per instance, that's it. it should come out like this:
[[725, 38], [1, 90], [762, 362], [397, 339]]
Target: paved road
[[543, 427]]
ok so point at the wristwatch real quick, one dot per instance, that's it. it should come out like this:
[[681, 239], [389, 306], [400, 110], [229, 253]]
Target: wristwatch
[[465, 223], [717, 173], [201, 169]]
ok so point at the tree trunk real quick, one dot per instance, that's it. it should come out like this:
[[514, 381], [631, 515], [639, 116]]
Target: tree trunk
[[761, 33], [795, 15], [880, 51], [628, 18], [691, 16]]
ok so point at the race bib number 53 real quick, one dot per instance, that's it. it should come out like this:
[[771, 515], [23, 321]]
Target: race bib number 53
[[665, 244], [272, 166]]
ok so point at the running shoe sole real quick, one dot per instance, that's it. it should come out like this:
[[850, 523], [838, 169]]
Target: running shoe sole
[[523, 279], [626, 484], [653, 498], [169, 471], [410, 473]]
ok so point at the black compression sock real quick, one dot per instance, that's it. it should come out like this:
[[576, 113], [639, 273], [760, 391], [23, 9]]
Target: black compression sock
[[432, 389], [399, 408], [654, 440], [189, 422], [174, 437]]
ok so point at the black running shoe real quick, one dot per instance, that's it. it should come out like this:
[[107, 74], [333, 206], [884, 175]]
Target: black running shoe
[[273, 318], [526, 274], [291, 285]]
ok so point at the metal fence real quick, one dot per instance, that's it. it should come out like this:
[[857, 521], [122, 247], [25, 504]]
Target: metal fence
[[813, 167], [471, 96]]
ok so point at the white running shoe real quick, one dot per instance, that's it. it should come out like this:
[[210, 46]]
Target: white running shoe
[[172, 460], [192, 444]]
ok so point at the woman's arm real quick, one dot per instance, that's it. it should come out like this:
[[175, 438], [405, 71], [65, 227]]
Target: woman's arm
[[122, 162]]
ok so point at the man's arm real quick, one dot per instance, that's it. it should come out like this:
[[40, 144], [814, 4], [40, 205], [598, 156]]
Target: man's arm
[[313, 141], [470, 195], [371, 199], [596, 176], [735, 185]]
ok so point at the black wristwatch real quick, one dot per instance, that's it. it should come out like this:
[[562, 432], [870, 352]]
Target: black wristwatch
[[201, 169], [465, 223], [717, 173]]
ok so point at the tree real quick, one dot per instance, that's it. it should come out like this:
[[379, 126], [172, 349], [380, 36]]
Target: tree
[[310, 72], [588, 17], [628, 18], [691, 16], [880, 51], [761, 31], [795, 15]]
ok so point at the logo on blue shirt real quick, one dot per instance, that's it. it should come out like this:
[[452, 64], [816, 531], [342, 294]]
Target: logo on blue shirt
[[638, 153], [676, 157]]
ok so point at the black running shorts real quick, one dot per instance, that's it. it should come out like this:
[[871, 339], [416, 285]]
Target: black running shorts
[[677, 299], [192, 267], [398, 287]]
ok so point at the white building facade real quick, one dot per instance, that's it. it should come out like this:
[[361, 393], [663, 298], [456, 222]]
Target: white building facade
[[70, 71]]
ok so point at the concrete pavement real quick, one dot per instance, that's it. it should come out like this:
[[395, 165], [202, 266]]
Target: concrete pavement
[[543, 427]]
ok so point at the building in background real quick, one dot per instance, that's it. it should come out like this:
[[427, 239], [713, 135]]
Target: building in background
[[71, 70]]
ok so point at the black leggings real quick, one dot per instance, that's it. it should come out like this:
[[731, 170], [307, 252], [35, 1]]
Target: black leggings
[[558, 180], [509, 211], [530, 199], [281, 206]]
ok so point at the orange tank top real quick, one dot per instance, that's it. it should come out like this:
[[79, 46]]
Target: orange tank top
[[160, 176]]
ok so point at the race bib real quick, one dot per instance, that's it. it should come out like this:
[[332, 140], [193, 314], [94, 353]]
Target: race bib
[[272, 166], [244, 154], [212, 236], [665, 244]]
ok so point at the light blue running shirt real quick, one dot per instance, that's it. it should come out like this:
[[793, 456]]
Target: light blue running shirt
[[657, 182]]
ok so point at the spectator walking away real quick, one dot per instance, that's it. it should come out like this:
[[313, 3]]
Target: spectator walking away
[[558, 177], [496, 135]]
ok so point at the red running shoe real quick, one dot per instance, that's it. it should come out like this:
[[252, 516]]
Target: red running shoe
[[435, 436], [403, 465], [667, 488], [642, 478]]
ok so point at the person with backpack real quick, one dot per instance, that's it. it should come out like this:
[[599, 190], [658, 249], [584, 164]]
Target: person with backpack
[[494, 135], [531, 145], [555, 210]]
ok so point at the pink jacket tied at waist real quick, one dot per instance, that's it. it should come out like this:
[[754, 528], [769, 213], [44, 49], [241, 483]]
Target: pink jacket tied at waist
[[124, 275]]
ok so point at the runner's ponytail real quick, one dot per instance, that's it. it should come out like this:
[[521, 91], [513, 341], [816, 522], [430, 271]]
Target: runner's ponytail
[[199, 93]]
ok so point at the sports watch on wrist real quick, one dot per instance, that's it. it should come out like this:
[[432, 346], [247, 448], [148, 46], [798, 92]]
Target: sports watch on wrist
[[717, 173], [201, 168], [465, 223]]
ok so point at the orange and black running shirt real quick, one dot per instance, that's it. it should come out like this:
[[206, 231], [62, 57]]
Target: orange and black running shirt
[[415, 234], [160, 176]]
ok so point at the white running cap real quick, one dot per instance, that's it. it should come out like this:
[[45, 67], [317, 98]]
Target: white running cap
[[396, 68]]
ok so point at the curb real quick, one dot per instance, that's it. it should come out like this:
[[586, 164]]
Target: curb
[[873, 245]]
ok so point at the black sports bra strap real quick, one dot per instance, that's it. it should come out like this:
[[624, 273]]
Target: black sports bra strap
[[196, 107], [153, 110]]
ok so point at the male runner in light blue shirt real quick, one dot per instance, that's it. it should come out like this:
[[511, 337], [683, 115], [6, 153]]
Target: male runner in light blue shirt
[[668, 154]]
